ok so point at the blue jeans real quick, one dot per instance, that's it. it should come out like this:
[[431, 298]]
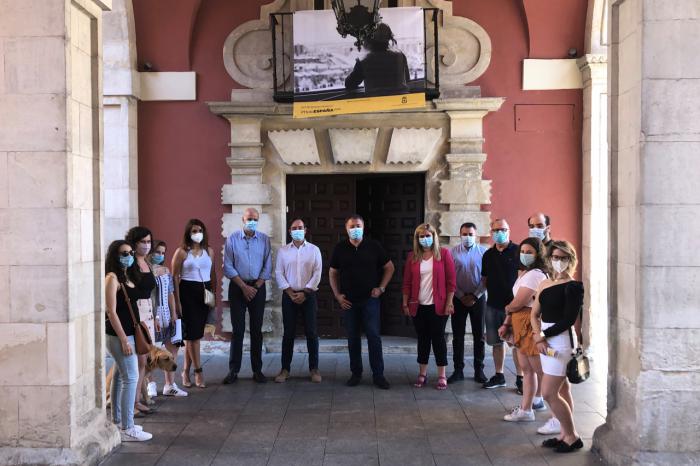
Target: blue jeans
[[126, 375], [289, 318], [364, 316]]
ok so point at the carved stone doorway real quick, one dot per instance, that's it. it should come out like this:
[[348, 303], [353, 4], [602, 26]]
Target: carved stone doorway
[[392, 206]]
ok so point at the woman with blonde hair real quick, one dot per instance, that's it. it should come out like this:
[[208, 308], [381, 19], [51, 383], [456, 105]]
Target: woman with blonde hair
[[558, 305], [428, 288]]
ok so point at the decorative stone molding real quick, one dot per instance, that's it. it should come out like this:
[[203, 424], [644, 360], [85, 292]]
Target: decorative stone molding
[[413, 145], [296, 147], [246, 194], [464, 51], [353, 145]]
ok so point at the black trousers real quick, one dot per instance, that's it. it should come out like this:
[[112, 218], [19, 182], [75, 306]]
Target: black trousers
[[308, 310], [459, 325], [430, 329], [256, 310]]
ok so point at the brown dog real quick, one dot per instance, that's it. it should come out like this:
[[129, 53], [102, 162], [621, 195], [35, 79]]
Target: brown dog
[[158, 358]]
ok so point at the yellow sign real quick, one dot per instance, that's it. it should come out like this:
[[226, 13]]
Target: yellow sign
[[358, 105]]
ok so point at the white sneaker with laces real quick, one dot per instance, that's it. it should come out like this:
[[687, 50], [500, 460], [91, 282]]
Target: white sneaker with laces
[[519, 415], [135, 435], [173, 390], [551, 427], [152, 389]]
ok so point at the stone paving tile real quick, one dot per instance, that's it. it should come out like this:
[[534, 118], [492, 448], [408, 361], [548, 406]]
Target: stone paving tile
[[184, 456], [308, 424], [240, 459]]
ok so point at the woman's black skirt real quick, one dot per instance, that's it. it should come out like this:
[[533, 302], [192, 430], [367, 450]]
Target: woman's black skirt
[[194, 310]]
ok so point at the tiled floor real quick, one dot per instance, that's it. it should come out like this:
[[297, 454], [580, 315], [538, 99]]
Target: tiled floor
[[300, 423]]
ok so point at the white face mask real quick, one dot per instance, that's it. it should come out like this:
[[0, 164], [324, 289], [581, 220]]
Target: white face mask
[[197, 237], [538, 233], [560, 265]]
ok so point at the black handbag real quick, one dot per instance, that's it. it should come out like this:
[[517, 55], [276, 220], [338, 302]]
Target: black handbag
[[578, 369]]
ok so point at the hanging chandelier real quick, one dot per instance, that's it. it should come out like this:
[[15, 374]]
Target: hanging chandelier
[[359, 20]]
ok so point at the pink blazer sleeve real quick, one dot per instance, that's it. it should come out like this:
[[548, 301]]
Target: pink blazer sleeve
[[450, 274], [407, 275]]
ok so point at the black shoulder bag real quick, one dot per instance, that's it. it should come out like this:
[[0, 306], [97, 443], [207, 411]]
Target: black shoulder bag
[[578, 369]]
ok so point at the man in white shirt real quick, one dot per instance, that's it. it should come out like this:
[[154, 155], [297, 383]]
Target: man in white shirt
[[298, 273]]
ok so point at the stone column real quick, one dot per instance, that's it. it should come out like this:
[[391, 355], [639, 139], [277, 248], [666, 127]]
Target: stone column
[[51, 287], [594, 253], [121, 91], [655, 208], [465, 192]]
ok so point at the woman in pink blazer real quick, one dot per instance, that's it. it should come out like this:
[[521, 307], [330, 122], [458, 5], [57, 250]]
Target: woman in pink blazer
[[428, 287]]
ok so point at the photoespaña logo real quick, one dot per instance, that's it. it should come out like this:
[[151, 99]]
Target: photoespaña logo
[[404, 100]]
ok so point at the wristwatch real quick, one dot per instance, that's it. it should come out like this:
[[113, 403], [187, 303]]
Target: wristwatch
[[382, 289]]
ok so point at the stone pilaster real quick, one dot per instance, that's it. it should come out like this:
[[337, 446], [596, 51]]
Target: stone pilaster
[[121, 94], [465, 191], [653, 387], [51, 224], [595, 208]]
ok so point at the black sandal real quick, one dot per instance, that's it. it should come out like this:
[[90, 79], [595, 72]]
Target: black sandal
[[551, 442], [564, 447]]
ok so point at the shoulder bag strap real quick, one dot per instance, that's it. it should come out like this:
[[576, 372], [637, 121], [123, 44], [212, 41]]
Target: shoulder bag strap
[[128, 303]]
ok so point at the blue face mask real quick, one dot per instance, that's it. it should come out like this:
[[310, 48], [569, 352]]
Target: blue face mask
[[127, 261], [468, 241], [356, 233], [426, 242], [157, 259], [500, 237], [527, 259], [298, 235], [251, 225], [537, 233]]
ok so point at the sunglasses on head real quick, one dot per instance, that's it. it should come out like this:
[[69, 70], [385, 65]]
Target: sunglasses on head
[[126, 253]]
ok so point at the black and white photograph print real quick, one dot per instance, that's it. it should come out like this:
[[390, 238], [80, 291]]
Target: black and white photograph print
[[329, 67]]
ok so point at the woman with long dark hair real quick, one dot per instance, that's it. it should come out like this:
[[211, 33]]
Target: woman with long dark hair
[[533, 271], [193, 271], [166, 315], [140, 240], [120, 280], [428, 288]]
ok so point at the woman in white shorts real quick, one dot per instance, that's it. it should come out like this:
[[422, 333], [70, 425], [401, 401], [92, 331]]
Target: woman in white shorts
[[557, 305]]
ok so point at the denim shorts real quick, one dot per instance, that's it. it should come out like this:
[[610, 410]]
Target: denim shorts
[[494, 318]]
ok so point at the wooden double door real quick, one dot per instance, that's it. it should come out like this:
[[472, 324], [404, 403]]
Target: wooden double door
[[392, 206]]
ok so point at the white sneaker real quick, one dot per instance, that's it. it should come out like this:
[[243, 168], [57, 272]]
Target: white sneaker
[[135, 435], [135, 427], [173, 390], [152, 389], [551, 427], [518, 415]]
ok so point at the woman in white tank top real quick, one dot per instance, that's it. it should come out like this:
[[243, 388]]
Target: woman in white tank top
[[193, 271]]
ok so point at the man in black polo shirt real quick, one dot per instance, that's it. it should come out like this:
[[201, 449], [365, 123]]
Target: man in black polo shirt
[[359, 273], [500, 270]]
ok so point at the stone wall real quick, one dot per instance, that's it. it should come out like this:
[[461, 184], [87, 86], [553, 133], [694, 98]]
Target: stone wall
[[655, 324], [51, 318]]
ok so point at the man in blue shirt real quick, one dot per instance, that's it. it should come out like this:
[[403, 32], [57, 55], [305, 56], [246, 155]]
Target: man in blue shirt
[[469, 302], [247, 263]]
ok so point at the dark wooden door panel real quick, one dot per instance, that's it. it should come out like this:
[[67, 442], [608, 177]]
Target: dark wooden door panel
[[393, 208], [323, 202]]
